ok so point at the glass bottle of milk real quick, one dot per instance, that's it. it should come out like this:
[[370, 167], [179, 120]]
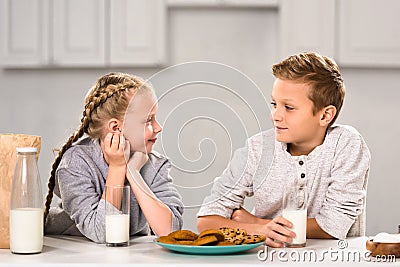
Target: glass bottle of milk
[[26, 205]]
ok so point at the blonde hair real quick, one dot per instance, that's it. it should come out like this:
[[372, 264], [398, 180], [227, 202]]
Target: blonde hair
[[108, 98], [321, 72]]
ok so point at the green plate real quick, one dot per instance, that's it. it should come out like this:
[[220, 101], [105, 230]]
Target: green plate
[[208, 250]]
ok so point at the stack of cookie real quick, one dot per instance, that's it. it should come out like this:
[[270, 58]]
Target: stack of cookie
[[223, 237], [239, 236]]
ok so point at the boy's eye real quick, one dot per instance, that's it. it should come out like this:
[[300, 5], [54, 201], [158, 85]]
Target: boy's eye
[[273, 104]]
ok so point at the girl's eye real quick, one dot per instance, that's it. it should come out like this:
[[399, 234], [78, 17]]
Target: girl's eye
[[273, 104], [289, 108], [150, 119]]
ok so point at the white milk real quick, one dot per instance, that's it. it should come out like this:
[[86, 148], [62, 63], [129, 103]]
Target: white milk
[[117, 228], [26, 230], [387, 238], [299, 220]]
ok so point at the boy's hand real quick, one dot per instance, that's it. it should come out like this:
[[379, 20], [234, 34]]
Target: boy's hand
[[114, 144], [277, 232], [137, 161], [243, 216]]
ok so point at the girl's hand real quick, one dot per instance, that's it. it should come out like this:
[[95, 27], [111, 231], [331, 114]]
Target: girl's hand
[[277, 232], [127, 150], [114, 144], [137, 161]]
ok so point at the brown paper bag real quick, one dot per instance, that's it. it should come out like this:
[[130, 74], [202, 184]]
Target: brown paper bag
[[8, 158]]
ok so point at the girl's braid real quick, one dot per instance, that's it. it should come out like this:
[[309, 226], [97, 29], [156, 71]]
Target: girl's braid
[[96, 99]]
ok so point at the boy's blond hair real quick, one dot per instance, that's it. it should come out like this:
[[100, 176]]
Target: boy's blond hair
[[321, 72]]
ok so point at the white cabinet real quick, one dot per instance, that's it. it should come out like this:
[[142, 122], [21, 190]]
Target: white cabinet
[[79, 32], [24, 31], [307, 25], [361, 33], [137, 32], [369, 33], [76, 33]]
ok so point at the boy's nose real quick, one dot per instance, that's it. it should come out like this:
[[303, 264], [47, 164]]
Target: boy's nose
[[276, 115]]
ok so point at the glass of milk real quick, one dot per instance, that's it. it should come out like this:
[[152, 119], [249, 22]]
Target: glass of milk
[[117, 215], [295, 211]]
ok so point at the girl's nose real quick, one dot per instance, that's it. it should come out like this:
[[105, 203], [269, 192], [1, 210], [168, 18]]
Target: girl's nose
[[157, 127]]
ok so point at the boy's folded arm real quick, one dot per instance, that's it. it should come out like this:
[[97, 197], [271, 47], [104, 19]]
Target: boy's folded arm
[[345, 197], [217, 221], [230, 189], [315, 231]]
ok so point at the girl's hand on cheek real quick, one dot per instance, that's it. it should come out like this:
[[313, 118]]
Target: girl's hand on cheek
[[114, 144], [127, 150], [137, 161]]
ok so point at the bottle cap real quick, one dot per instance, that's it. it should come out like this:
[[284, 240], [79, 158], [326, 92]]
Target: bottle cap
[[26, 149]]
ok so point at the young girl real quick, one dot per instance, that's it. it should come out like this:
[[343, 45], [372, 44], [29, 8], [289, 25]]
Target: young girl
[[118, 106]]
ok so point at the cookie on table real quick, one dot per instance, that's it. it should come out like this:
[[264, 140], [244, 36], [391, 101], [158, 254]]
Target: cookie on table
[[185, 242], [241, 232], [225, 243], [208, 240], [166, 240], [228, 232], [183, 235], [237, 240], [251, 239], [218, 234], [263, 238]]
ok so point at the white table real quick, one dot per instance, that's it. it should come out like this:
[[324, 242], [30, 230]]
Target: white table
[[76, 251]]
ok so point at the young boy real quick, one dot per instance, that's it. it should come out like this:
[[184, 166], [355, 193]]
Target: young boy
[[304, 147]]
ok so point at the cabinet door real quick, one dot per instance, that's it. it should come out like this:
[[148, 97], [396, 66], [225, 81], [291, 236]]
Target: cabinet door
[[78, 33], [369, 33], [24, 32], [307, 25], [137, 32]]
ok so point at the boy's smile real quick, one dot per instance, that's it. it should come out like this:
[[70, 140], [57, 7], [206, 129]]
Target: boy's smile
[[293, 118]]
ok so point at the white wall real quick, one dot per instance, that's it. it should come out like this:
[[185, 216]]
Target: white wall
[[371, 106], [49, 102]]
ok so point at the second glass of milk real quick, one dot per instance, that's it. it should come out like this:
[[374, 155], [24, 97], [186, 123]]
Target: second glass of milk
[[295, 211]]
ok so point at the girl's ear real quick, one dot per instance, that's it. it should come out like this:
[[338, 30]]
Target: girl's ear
[[113, 125], [327, 115]]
